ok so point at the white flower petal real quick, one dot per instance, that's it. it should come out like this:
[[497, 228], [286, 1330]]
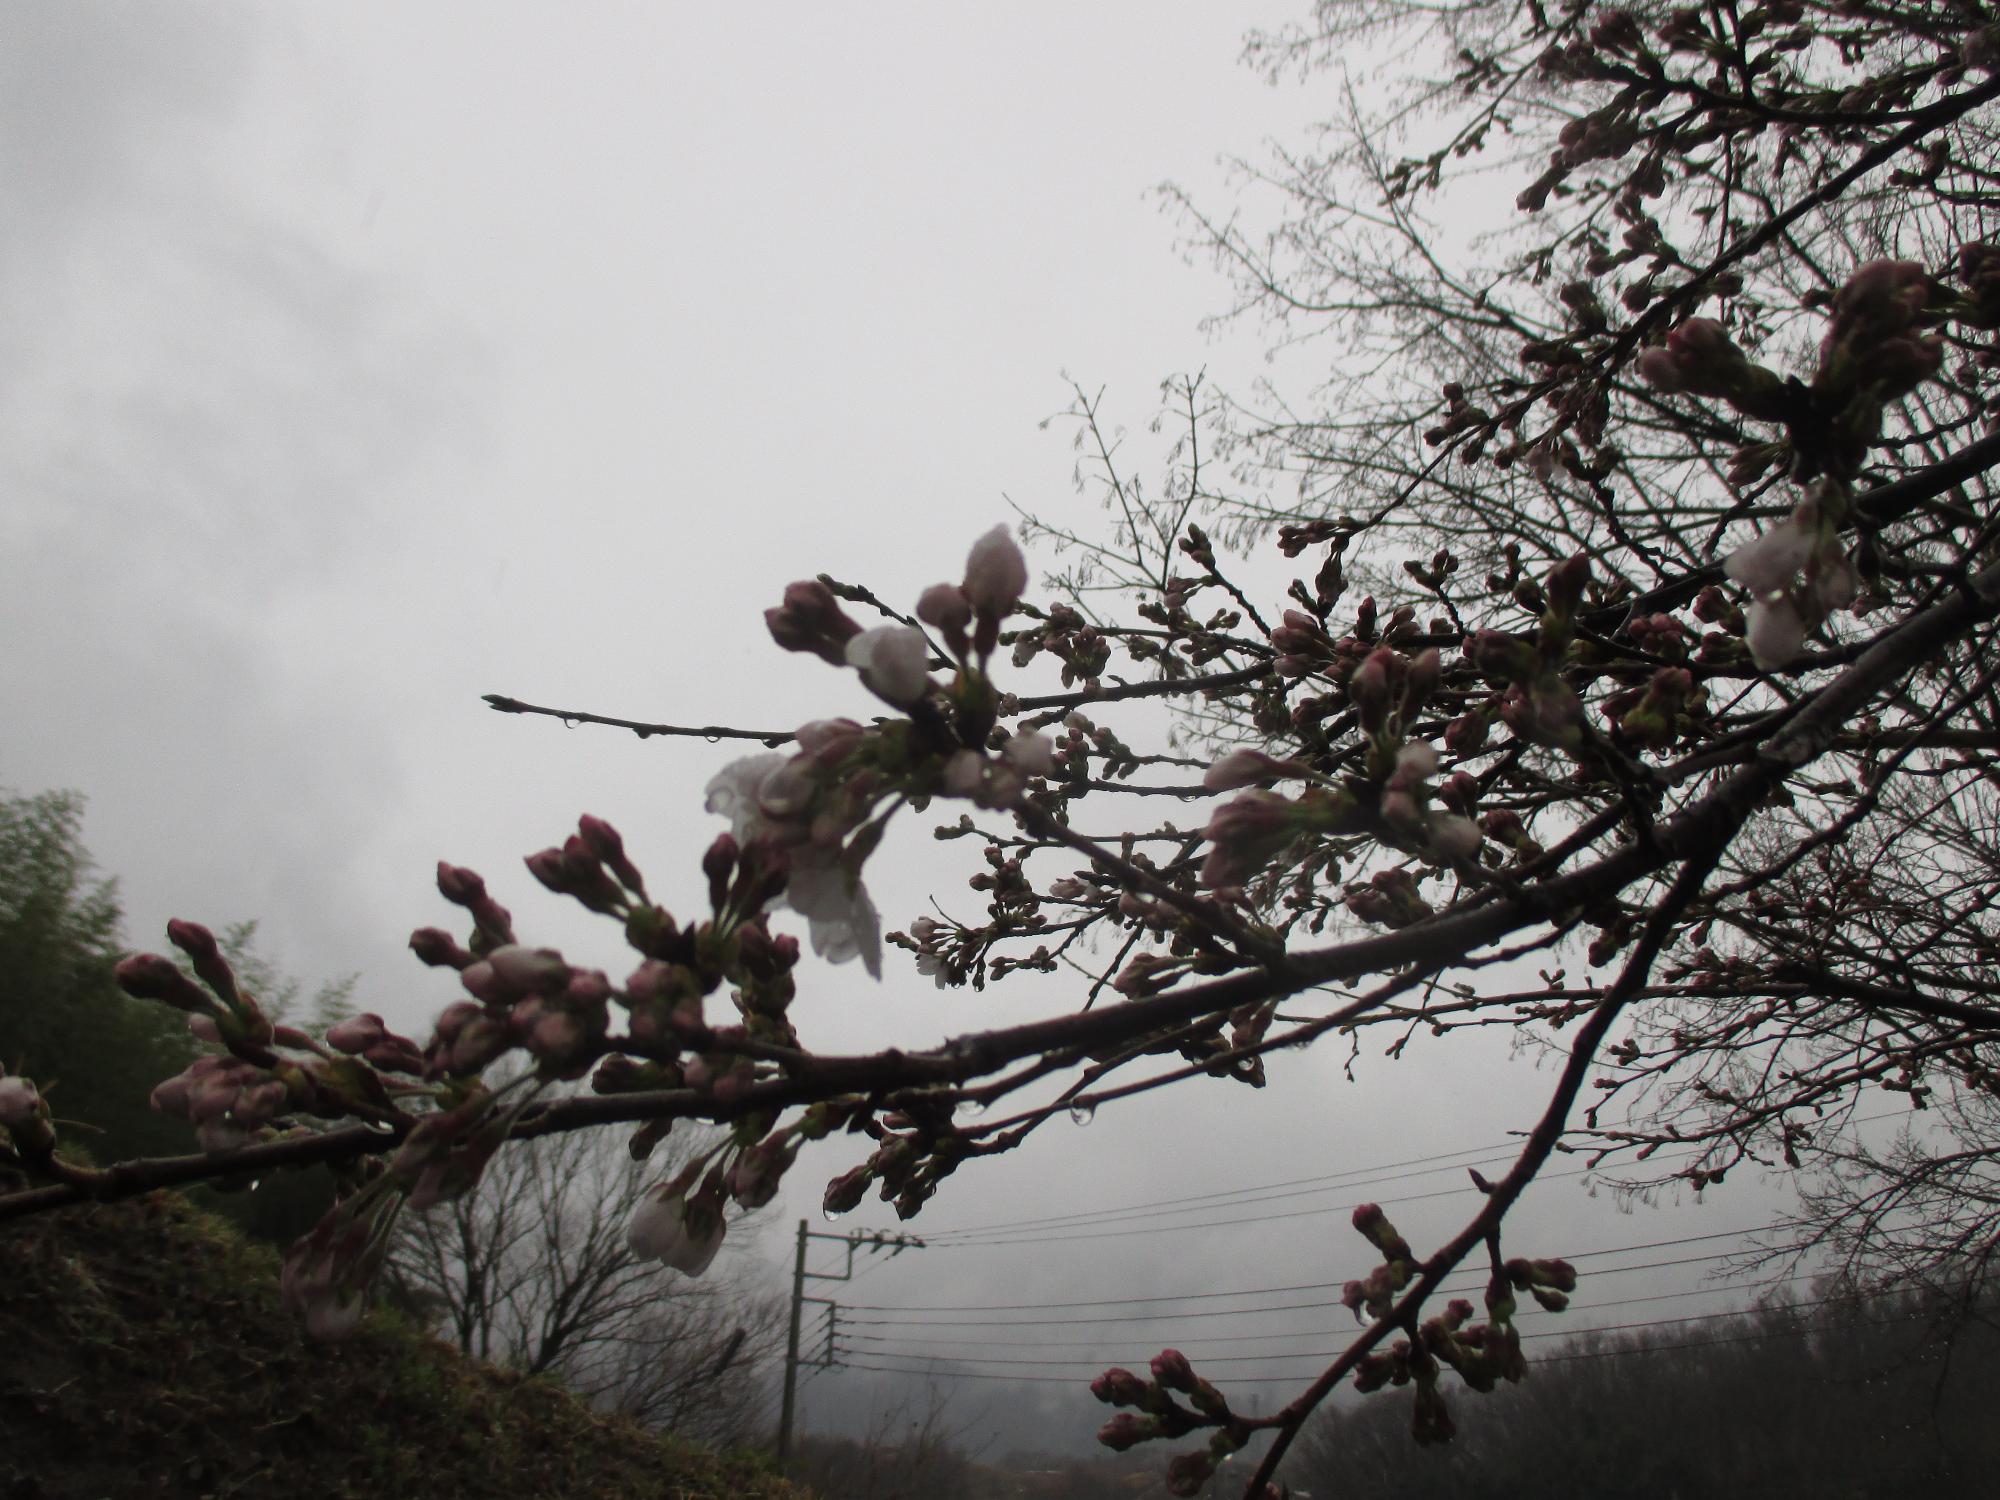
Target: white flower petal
[[1777, 632], [732, 792], [1769, 562], [892, 660]]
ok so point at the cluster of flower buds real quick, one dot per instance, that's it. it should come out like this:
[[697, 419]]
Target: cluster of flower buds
[[592, 866], [930, 940], [1979, 270], [819, 805], [1536, 703], [911, 1159], [1155, 1412], [492, 923], [1874, 345], [1700, 359], [1446, 837], [1652, 717], [1302, 645], [1481, 1354], [228, 1100], [236, 1097], [442, 1157], [1389, 899], [1375, 1293], [1083, 649], [222, 1012], [1253, 828], [1549, 1282], [1081, 739]]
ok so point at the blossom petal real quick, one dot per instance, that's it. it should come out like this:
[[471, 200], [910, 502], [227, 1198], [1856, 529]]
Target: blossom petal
[[1767, 563]]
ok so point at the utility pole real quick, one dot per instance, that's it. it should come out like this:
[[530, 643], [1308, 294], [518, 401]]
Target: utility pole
[[873, 1241]]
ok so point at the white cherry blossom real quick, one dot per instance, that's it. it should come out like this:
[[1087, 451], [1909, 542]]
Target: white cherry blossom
[[663, 1228], [892, 660], [843, 921], [1769, 562], [1777, 632]]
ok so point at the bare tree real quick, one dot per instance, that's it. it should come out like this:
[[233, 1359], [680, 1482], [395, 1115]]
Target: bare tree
[[531, 1271]]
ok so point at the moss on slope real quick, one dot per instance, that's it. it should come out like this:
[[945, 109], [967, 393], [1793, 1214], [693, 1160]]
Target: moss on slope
[[143, 1352]]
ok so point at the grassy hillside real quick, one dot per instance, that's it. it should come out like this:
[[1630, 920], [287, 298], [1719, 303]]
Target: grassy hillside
[[143, 1352]]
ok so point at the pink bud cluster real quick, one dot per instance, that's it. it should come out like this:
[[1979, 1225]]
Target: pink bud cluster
[[1157, 1413]]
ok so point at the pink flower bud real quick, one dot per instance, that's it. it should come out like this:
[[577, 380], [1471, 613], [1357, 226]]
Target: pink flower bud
[[1369, 689], [1453, 837], [357, 1034], [1660, 370], [848, 1189], [827, 742], [945, 608], [996, 575], [439, 949], [1172, 1370], [154, 976], [601, 839], [754, 1179], [1241, 768], [528, 970], [1246, 832], [1118, 1387], [458, 885], [195, 940], [1416, 762], [1125, 1430], [547, 866], [811, 619]]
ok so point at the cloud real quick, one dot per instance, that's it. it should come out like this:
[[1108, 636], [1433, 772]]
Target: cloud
[[210, 413]]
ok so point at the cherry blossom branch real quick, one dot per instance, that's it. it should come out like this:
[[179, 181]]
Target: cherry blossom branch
[[501, 703], [1502, 1195]]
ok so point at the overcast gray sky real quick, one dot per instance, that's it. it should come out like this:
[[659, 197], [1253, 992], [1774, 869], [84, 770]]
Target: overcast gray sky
[[367, 358]]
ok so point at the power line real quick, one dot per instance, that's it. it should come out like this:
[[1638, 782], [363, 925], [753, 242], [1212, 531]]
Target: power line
[[1632, 1351], [1481, 1155], [1315, 1286], [972, 1236], [1449, 1289], [1324, 1357], [1233, 1223], [1254, 1338]]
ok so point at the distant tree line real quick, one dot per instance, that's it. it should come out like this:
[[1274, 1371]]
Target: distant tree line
[[1826, 1399]]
